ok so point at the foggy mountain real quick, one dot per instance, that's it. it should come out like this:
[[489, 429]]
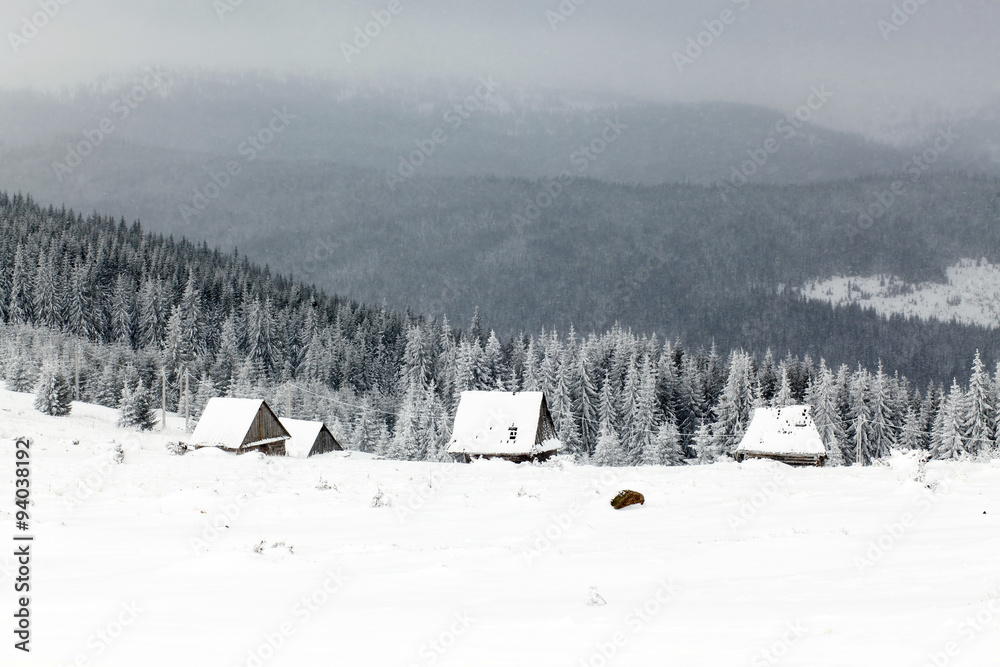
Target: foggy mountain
[[483, 127]]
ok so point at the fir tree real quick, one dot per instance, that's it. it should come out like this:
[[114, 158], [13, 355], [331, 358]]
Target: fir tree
[[609, 450], [822, 396], [52, 392], [979, 419], [18, 375], [665, 447], [948, 440], [107, 391], [704, 445], [784, 397], [135, 409]]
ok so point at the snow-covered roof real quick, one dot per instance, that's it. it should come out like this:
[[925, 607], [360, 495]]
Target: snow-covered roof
[[304, 434], [227, 421], [782, 431], [497, 422]]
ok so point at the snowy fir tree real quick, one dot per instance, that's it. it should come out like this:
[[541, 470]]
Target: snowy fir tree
[[609, 448], [52, 392], [665, 447], [18, 375], [822, 396], [704, 445], [948, 440], [784, 397], [135, 410], [205, 391], [979, 419]]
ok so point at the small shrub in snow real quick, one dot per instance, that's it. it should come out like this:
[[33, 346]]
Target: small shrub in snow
[[381, 499], [594, 598], [118, 454], [263, 547], [176, 448]]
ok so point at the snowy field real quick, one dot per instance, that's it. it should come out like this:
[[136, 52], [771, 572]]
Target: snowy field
[[221, 561], [971, 295]]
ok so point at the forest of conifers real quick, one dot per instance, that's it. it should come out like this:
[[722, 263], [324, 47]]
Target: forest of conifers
[[114, 308]]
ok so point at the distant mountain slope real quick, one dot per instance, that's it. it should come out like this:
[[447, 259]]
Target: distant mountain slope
[[971, 294], [502, 132], [679, 260]]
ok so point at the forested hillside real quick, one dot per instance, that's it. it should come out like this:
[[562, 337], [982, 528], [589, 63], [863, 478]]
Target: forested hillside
[[116, 308], [678, 260]]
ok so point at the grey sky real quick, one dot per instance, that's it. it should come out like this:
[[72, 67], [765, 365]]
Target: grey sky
[[943, 59]]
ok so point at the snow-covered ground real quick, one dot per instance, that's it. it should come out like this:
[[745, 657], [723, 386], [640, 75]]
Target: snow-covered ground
[[971, 295], [208, 559]]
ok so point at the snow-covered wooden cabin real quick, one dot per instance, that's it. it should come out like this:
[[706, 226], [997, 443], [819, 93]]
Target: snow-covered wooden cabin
[[308, 438], [240, 425], [502, 425], [784, 434]]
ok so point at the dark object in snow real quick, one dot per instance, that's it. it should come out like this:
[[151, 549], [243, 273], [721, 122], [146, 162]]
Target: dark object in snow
[[382, 499], [176, 448], [626, 498]]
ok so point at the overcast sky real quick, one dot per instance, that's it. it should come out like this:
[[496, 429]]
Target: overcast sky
[[945, 57]]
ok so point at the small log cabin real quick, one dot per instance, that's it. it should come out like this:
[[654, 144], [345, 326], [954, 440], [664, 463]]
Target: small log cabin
[[502, 425], [308, 438], [784, 434], [240, 425]]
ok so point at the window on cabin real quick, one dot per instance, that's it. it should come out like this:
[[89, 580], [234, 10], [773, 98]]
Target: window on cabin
[[512, 433]]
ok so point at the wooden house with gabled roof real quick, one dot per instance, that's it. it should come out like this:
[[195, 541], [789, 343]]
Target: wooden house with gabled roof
[[240, 425], [503, 425]]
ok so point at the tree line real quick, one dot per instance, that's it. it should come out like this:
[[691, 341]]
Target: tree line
[[118, 314]]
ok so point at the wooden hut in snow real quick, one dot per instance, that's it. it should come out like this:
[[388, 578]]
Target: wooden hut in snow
[[495, 424], [240, 425], [308, 438], [784, 434]]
